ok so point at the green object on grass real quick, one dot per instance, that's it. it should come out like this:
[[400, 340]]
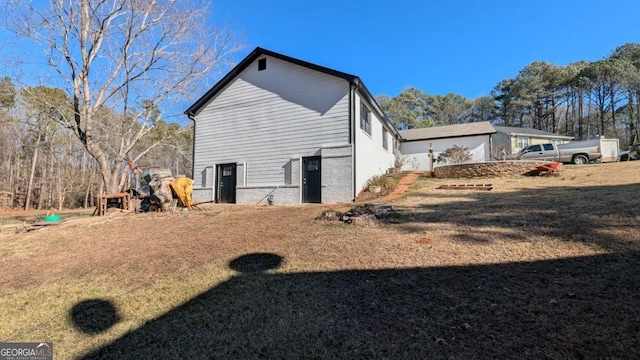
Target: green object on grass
[[52, 218]]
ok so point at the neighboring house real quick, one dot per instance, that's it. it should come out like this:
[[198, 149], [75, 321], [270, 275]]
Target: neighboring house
[[514, 139], [282, 129], [417, 143]]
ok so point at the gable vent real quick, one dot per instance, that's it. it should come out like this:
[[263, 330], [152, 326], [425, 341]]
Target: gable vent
[[262, 64]]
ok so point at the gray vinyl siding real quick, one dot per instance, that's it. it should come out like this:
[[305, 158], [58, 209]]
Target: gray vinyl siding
[[266, 118]]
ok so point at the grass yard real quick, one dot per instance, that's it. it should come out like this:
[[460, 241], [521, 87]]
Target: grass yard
[[538, 267]]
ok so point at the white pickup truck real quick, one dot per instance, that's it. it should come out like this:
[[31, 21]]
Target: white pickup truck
[[578, 152]]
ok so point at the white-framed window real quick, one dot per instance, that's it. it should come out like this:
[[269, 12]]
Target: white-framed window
[[365, 118], [556, 141], [385, 138], [522, 142]]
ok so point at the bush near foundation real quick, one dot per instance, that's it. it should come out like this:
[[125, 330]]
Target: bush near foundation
[[388, 182], [455, 155]]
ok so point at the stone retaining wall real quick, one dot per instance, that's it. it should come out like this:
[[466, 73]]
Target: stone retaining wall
[[490, 169]]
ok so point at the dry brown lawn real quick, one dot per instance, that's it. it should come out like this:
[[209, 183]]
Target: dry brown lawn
[[539, 267]]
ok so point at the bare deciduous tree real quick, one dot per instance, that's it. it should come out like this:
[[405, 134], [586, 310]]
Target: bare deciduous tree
[[130, 56]]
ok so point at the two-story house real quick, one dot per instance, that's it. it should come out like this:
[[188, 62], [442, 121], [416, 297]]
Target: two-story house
[[287, 131]]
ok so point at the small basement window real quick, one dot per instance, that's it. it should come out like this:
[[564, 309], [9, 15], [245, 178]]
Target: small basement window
[[262, 64]]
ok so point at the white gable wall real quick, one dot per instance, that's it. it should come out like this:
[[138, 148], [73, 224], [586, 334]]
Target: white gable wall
[[371, 158], [416, 152], [268, 120]]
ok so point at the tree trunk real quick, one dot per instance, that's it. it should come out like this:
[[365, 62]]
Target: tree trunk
[[566, 117], [521, 118], [580, 119], [44, 200], [554, 124], [12, 176], [601, 97], [42, 190], [61, 189], [631, 115], [87, 195], [637, 111], [612, 95], [33, 171]]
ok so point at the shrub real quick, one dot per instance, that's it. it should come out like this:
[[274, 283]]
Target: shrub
[[399, 162], [385, 181], [455, 155]]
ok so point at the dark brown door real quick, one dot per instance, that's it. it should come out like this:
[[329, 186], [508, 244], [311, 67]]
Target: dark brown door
[[311, 179], [226, 190]]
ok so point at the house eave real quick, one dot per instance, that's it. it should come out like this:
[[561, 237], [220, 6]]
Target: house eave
[[447, 137], [197, 106], [374, 103], [540, 136]]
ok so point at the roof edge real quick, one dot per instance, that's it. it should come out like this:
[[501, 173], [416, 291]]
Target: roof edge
[[371, 99], [195, 108], [510, 130], [448, 137], [539, 135]]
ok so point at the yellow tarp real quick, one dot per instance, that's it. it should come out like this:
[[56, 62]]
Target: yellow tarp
[[183, 187]]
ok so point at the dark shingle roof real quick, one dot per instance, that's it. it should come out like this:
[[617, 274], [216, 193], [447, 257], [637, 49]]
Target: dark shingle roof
[[448, 131]]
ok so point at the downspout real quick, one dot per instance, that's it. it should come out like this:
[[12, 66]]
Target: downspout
[[352, 137], [193, 151]]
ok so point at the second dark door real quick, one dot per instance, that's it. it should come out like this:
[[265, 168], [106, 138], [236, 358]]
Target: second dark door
[[226, 190], [311, 179]]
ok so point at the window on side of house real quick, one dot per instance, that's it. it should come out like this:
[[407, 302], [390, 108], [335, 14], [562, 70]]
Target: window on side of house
[[385, 138], [522, 142], [556, 141], [365, 118]]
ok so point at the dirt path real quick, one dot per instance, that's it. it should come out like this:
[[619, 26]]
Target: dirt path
[[403, 186]]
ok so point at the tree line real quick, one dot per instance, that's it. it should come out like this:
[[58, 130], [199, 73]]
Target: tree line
[[44, 165], [582, 100], [114, 70]]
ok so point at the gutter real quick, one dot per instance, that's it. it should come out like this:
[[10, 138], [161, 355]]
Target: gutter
[[191, 117], [542, 136], [445, 137], [352, 135]]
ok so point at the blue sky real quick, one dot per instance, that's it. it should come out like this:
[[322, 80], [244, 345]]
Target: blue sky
[[463, 47]]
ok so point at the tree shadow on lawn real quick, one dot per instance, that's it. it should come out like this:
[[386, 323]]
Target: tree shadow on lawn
[[580, 214], [586, 307]]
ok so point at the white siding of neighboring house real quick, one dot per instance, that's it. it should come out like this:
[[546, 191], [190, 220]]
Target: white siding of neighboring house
[[371, 158], [416, 152], [267, 120]]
